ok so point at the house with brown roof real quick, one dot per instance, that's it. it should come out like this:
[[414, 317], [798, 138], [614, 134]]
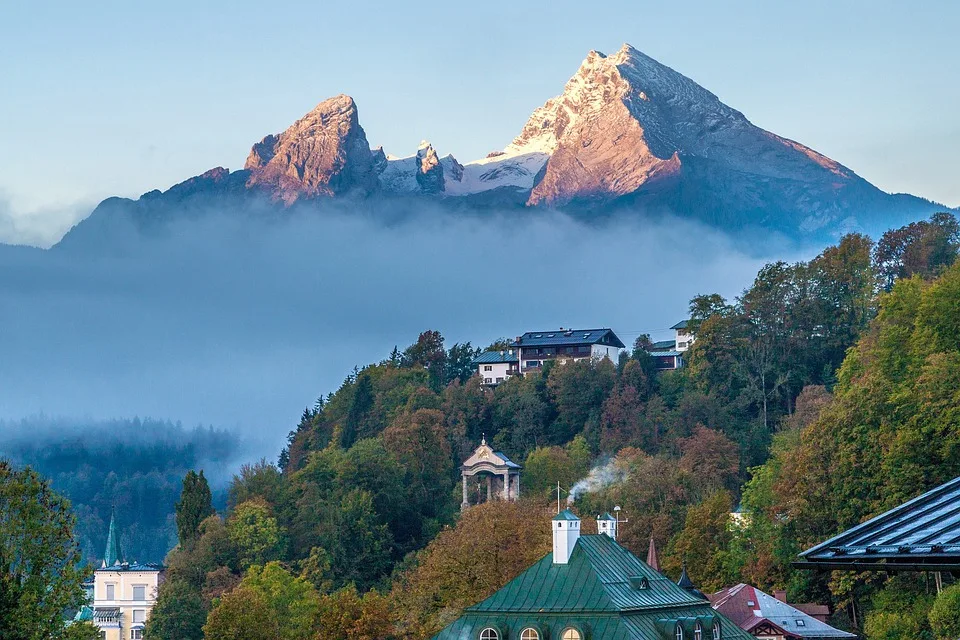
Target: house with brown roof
[[771, 618]]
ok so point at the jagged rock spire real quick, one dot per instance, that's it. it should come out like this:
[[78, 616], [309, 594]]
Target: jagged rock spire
[[652, 560], [112, 555]]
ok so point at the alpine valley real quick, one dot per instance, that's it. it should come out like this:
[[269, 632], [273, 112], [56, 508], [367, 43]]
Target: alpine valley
[[628, 136]]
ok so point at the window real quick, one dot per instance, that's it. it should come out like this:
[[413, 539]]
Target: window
[[136, 634], [488, 367], [139, 615], [499, 380], [570, 634], [801, 623], [678, 632], [698, 632], [548, 351], [533, 363], [529, 634], [139, 592], [111, 589], [487, 380], [489, 634], [716, 631]]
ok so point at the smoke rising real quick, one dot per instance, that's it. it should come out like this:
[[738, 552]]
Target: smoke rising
[[226, 321], [600, 477]]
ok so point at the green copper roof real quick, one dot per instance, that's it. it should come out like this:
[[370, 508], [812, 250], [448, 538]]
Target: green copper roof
[[596, 579], [607, 516], [595, 593], [85, 614], [112, 555], [566, 514]]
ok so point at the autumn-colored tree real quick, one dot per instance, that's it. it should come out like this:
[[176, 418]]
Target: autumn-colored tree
[[259, 480], [490, 545], [346, 615], [711, 459], [420, 444], [578, 390], [702, 545]]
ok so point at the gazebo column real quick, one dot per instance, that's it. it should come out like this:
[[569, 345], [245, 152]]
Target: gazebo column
[[466, 499], [506, 485], [489, 488]]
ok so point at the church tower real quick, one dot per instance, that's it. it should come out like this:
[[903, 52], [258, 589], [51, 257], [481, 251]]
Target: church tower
[[112, 554]]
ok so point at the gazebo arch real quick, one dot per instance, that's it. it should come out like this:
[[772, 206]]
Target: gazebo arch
[[502, 475]]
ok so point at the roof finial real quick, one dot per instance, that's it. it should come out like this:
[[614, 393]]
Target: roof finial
[[483, 439]]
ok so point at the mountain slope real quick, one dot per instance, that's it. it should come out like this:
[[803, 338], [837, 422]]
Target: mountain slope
[[628, 135]]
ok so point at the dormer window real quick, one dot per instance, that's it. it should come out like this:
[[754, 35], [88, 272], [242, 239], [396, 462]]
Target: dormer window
[[570, 634], [698, 632], [678, 632], [716, 631], [529, 634], [489, 634]]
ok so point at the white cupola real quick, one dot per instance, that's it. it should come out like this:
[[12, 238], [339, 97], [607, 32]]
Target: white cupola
[[566, 532], [607, 525]]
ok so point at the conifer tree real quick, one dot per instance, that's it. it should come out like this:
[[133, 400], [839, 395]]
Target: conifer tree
[[196, 503]]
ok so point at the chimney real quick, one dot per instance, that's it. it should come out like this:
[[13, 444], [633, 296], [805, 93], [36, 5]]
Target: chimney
[[607, 525], [566, 532], [781, 595]]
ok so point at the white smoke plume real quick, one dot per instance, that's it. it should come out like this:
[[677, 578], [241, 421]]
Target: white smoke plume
[[601, 476]]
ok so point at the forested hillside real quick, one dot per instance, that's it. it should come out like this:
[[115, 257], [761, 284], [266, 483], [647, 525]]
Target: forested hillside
[[133, 467], [824, 394]]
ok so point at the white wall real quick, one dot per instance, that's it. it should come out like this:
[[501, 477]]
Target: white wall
[[496, 370]]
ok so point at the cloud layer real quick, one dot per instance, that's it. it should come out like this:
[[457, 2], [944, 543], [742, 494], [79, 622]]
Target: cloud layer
[[240, 324]]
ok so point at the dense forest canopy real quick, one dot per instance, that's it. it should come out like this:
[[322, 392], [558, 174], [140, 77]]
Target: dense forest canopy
[[134, 467]]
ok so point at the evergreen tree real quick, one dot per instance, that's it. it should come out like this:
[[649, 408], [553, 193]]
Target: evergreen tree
[[195, 504]]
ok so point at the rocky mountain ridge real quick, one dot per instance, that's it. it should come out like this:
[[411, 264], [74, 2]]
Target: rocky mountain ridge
[[627, 132]]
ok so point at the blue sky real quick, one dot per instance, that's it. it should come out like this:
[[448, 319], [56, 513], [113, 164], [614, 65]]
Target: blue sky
[[103, 98]]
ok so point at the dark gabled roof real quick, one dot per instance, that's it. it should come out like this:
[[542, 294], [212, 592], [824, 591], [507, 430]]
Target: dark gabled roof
[[493, 357], [680, 325], [595, 580], [567, 337], [922, 531]]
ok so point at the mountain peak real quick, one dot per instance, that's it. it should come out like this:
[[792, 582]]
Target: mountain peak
[[323, 153]]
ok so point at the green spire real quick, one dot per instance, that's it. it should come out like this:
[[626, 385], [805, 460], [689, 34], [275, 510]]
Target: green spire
[[112, 555]]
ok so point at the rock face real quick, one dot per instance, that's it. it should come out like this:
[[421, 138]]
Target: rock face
[[324, 153], [626, 136], [627, 125], [429, 169]]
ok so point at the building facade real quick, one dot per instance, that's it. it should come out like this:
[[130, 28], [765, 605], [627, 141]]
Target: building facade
[[123, 593], [494, 367]]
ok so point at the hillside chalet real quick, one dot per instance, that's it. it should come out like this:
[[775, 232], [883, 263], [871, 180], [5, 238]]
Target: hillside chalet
[[530, 351], [668, 354]]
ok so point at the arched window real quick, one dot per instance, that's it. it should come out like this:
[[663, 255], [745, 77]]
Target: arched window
[[698, 632], [678, 632], [716, 631], [570, 634], [529, 634], [489, 634]]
